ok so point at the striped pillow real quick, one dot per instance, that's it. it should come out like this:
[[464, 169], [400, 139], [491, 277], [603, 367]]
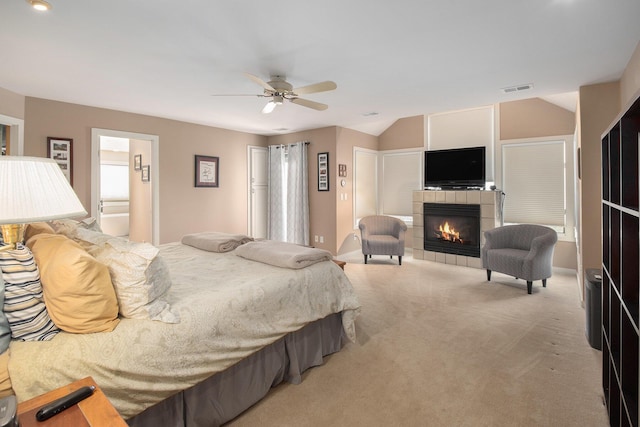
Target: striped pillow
[[23, 300]]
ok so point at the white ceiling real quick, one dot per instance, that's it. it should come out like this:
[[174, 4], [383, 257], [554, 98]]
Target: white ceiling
[[395, 58]]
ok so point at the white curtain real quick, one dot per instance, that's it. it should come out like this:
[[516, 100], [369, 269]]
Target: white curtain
[[288, 194]]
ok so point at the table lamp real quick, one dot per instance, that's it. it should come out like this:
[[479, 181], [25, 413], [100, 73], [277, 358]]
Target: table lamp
[[33, 189]]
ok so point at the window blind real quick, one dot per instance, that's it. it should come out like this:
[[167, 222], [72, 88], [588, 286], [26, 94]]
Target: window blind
[[366, 188], [401, 176], [534, 183]]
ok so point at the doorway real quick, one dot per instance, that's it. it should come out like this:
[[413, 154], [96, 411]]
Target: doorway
[[134, 209]]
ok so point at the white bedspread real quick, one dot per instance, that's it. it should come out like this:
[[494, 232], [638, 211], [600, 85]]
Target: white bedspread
[[230, 308]]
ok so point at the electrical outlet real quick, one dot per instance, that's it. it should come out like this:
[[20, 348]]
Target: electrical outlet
[[316, 238], [355, 237], [321, 239]]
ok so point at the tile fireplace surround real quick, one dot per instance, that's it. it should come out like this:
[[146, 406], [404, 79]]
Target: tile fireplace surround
[[489, 202]]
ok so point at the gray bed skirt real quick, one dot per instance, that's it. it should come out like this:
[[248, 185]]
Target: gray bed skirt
[[227, 394]]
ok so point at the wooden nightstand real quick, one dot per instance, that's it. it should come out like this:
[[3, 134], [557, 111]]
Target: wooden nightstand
[[341, 264], [94, 411]]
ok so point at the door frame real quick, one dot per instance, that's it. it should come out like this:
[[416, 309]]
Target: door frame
[[16, 135], [96, 133]]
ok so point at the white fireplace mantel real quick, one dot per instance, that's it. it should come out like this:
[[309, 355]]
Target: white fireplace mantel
[[490, 217]]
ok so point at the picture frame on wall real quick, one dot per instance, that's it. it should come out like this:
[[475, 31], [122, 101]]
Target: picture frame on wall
[[146, 169], [323, 171], [137, 162], [206, 171], [61, 151]]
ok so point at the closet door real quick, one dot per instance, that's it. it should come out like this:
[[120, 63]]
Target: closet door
[[258, 180]]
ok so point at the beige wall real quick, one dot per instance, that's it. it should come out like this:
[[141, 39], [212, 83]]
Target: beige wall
[[183, 208], [630, 81], [599, 105], [532, 118], [322, 204], [346, 140], [140, 194], [11, 104], [404, 133]]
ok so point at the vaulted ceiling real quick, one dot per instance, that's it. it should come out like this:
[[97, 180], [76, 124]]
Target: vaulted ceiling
[[389, 59]]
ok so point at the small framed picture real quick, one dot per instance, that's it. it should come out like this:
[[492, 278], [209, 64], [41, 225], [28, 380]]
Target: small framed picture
[[137, 162], [342, 170], [206, 171], [145, 173], [61, 150], [323, 171]]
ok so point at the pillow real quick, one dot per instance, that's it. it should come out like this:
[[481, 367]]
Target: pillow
[[5, 330], [68, 227], [37, 228], [140, 277], [77, 288], [23, 302], [5, 379]]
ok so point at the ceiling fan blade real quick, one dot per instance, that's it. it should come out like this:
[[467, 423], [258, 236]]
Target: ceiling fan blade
[[309, 104], [269, 107], [316, 87], [261, 82], [236, 94]]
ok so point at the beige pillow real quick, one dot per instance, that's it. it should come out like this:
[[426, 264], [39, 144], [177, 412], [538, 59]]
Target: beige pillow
[[77, 288], [139, 275], [37, 228], [5, 379]]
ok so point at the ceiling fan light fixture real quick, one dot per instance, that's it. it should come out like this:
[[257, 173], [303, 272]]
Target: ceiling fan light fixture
[[269, 107], [278, 100], [39, 5]]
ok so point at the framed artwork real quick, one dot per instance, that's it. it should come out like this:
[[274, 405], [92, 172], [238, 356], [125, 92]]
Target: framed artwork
[[323, 171], [137, 162], [206, 171], [61, 150], [342, 170], [145, 173]]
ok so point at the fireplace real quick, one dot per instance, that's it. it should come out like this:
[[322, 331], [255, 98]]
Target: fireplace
[[452, 228]]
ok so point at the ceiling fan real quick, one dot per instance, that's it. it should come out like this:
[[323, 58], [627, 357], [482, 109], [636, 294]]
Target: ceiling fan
[[279, 90]]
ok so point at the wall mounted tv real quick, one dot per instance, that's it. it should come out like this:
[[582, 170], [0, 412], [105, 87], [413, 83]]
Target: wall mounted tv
[[457, 167]]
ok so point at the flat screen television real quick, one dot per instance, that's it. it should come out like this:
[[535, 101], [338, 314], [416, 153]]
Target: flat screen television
[[457, 167]]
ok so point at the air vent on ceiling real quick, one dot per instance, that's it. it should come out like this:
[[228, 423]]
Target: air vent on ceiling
[[518, 88]]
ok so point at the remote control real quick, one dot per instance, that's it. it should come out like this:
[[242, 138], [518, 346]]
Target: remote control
[[65, 402]]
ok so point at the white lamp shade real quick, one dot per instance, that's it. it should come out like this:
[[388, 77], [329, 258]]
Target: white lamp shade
[[35, 189]]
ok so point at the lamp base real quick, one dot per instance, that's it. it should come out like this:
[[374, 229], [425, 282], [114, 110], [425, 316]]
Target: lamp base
[[12, 234]]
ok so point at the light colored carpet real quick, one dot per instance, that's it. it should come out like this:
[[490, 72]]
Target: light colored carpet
[[438, 345]]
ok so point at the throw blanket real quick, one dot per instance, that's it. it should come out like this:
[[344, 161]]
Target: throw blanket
[[215, 241], [281, 254]]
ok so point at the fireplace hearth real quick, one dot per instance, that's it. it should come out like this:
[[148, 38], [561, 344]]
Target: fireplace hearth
[[452, 228]]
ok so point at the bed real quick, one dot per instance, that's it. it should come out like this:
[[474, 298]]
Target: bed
[[244, 326]]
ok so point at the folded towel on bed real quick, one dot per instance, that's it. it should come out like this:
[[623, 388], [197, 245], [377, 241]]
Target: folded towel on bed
[[281, 254], [214, 241]]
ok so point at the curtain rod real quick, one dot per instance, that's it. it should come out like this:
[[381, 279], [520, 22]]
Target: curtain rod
[[288, 145]]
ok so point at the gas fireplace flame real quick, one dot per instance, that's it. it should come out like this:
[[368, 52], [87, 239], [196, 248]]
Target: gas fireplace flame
[[449, 233]]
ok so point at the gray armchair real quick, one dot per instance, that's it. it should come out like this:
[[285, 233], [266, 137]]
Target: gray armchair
[[382, 235], [524, 251]]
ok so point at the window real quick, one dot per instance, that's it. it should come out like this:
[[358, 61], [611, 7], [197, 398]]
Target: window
[[365, 191], [534, 181], [114, 181], [401, 176]]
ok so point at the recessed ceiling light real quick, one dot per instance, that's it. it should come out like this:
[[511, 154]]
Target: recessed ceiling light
[[39, 5]]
